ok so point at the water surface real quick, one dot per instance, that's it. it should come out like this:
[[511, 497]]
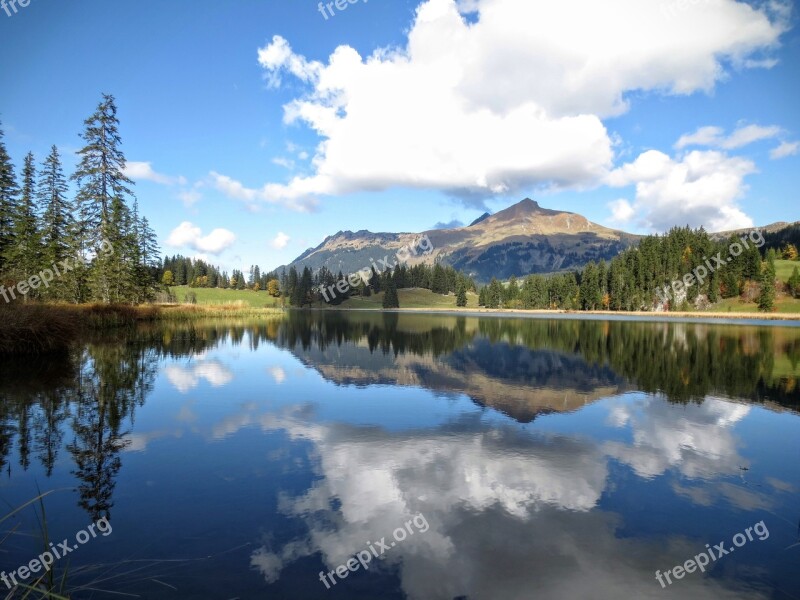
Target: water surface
[[540, 458]]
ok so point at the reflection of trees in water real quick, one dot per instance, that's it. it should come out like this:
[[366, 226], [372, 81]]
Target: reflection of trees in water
[[96, 391]]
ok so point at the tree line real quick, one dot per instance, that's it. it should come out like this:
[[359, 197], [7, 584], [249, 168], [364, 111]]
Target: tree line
[[306, 287], [646, 277], [112, 249]]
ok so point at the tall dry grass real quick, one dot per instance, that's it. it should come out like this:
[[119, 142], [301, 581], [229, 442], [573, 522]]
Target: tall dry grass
[[48, 328]]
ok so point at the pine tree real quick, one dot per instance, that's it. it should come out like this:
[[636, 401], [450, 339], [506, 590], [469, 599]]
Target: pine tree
[[494, 296], [8, 204], [56, 218], [794, 283], [766, 300], [461, 295], [25, 255], [390, 298], [101, 201]]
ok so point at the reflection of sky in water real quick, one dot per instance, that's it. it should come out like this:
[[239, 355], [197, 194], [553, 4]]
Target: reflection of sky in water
[[516, 510], [265, 461]]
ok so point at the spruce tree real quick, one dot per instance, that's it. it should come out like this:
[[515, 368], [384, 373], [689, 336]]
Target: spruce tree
[[390, 298], [8, 204], [461, 295], [766, 300], [25, 255], [57, 226], [102, 204]]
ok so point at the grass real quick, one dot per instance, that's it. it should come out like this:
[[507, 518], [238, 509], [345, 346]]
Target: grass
[[783, 304], [784, 268], [49, 328], [215, 296]]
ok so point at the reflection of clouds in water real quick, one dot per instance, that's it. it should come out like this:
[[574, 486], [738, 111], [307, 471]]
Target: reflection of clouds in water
[[278, 374], [138, 442], [510, 513], [187, 378], [695, 439]]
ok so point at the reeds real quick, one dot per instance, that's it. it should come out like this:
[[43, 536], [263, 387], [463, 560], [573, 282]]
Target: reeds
[[51, 328]]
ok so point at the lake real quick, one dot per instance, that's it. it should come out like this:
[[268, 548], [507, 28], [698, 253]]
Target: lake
[[344, 455]]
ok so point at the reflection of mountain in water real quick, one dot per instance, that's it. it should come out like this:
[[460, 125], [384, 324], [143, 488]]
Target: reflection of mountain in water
[[526, 366], [515, 380]]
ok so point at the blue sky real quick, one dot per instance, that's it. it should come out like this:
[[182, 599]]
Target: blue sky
[[255, 128]]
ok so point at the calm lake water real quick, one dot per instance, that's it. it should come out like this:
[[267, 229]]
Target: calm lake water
[[481, 458]]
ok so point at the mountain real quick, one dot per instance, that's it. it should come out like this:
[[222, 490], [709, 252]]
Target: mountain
[[522, 239]]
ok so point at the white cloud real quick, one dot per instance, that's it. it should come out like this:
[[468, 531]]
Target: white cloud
[[715, 137], [621, 211], [286, 163], [280, 241], [785, 149], [512, 98], [143, 171], [188, 235], [704, 136], [298, 199], [189, 197], [702, 188]]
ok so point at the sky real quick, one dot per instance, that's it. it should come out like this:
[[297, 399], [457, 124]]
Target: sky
[[255, 128]]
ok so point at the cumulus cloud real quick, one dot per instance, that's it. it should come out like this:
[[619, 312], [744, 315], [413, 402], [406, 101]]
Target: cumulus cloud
[[621, 211], [280, 241], [511, 98], [143, 171], [715, 137], [701, 188], [785, 149], [187, 235]]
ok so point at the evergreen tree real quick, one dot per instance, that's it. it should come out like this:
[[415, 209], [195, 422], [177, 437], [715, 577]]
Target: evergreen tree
[[56, 218], [794, 283], [390, 298], [103, 189], [25, 255], [8, 204], [375, 281], [461, 295], [494, 297], [511, 292], [766, 300]]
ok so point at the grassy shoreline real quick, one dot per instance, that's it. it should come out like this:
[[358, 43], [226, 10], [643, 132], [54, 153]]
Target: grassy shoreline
[[50, 328], [633, 315]]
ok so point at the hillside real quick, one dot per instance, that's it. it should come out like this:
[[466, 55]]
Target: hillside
[[522, 239]]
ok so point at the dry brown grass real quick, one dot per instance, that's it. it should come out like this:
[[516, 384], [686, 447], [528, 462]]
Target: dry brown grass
[[45, 328], [35, 329]]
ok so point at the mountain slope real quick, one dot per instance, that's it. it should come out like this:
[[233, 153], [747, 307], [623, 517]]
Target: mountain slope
[[524, 238]]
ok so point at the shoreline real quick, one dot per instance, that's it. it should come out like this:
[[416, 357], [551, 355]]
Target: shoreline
[[782, 319]]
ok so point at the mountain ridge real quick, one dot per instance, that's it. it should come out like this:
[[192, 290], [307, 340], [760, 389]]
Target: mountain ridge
[[518, 240]]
